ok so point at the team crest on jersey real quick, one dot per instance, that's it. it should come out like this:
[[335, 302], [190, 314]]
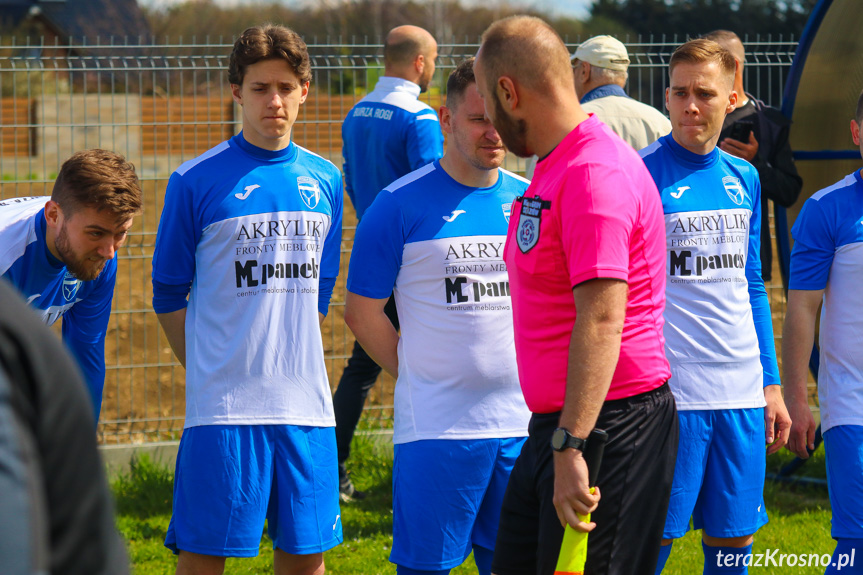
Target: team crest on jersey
[[70, 286], [733, 189], [310, 191], [527, 234], [507, 210]]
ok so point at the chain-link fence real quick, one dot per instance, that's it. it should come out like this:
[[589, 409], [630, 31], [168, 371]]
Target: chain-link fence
[[163, 104]]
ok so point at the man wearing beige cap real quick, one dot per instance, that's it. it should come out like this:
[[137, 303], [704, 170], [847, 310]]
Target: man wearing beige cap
[[600, 68]]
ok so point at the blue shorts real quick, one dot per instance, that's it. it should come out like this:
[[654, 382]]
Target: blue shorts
[[844, 448], [447, 495], [229, 478], [719, 474]]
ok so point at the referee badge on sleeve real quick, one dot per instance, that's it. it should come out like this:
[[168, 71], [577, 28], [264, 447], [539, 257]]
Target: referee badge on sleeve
[[527, 234]]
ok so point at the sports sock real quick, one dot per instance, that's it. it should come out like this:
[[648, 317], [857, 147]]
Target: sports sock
[[664, 552], [726, 560], [846, 551], [482, 557], [402, 570]]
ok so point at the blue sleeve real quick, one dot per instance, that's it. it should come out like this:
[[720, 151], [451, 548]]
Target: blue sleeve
[[814, 248], [84, 329], [346, 167], [331, 255], [168, 297], [177, 237], [424, 140], [378, 247], [758, 295]]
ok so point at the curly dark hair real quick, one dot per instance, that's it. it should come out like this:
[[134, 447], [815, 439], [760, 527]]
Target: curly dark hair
[[268, 42]]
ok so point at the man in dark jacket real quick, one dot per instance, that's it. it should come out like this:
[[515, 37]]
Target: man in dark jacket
[[766, 146], [56, 514]]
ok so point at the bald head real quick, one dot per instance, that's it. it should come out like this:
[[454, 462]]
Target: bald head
[[528, 51], [405, 43], [730, 41]]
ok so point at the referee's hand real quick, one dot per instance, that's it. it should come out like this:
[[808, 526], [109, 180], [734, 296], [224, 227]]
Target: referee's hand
[[572, 496]]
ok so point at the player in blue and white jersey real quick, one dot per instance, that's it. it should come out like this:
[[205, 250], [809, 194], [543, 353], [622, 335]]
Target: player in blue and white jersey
[[390, 132], [251, 232], [718, 331], [827, 266], [435, 238], [61, 252], [386, 135]]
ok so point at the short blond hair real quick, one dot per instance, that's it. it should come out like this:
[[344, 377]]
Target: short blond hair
[[526, 49], [700, 51]]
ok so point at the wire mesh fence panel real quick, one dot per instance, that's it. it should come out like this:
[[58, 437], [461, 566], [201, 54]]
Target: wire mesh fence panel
[[161, 104]]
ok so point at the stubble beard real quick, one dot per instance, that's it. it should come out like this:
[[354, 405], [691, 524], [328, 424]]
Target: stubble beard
[[512, 132], [81, 268]]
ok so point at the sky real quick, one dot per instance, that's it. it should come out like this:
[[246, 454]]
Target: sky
[[570, 8]]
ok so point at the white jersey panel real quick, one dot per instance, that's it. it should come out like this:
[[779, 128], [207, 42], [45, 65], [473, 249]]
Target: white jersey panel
[[455, 310], [246, 372], [438, 246], [828, 255], [16, 227], [840, 376], [709, 328]]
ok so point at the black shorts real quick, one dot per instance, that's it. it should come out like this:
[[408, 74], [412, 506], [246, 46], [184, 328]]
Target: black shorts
[[634, 480]]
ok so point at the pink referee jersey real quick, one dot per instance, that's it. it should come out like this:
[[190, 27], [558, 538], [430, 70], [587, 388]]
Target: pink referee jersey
[[592, 211]]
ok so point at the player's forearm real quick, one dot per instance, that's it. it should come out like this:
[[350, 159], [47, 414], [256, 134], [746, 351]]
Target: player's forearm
[[798, 337], [764, 333], [374, 330], [174, 326], [593, 353]]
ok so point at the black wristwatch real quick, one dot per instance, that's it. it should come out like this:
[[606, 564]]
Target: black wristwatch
[[562, 440]]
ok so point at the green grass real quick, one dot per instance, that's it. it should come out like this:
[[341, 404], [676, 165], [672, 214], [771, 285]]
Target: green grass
[[799, 521]]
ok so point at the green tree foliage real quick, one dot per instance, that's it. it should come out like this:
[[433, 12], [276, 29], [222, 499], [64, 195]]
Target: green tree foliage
[[349, 21], [695, 17]]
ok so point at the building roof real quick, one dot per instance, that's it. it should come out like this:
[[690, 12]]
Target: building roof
[[75, 20]]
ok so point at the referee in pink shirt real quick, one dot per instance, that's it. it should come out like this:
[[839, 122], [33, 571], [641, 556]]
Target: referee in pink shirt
[[585, 252]]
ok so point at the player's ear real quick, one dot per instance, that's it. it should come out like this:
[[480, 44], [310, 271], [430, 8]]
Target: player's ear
[[667, 91], [855, 132], [53, 214], [445, 119], [305, 92], [732, 102], [236, 93]]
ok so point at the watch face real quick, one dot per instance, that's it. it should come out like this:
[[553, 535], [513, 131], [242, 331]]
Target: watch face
[[558, 438]]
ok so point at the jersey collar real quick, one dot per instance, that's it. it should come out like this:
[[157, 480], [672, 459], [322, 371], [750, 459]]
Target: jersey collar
[[602, 92], [392, 84], [691, 158], [284, 155]]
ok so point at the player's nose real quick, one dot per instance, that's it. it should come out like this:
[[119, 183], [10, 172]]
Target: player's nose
[[107, 248], [275, 100]]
